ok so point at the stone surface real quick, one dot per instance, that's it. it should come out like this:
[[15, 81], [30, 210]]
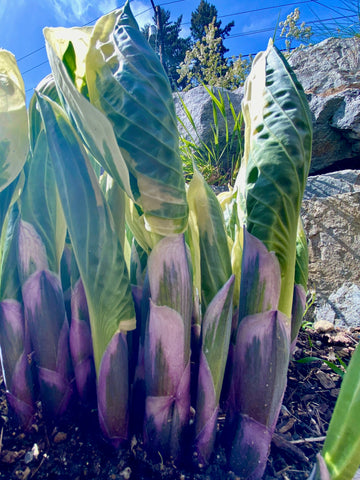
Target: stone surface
[[200, 106], [331, 214], [335, 183], [330, 75], [341, 308]]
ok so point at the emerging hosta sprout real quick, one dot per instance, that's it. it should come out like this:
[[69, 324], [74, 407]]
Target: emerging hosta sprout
[[167, 346], [14, 351], [259, 362], [49, 335], [216, 329], [101, 266], [81, 346], [273, 173]]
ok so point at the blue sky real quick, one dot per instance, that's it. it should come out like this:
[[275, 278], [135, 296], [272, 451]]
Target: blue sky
[[22, 21]]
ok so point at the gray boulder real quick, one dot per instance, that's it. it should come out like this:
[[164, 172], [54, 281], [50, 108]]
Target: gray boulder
[[330, 75], [200, 106], [331, 214]]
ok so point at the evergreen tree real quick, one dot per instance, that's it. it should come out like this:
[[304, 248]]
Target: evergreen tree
[[168, 43], [205, 64], [203, 17]]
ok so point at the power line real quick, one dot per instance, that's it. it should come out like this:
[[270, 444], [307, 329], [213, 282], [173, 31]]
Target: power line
[[270, 29], [255, 10], [236, 35]]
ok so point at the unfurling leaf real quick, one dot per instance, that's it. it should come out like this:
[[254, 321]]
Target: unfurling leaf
[[14, 143], [130, 125], [273, 173]]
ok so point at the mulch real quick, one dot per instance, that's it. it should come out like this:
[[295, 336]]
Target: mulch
[[73, 449]]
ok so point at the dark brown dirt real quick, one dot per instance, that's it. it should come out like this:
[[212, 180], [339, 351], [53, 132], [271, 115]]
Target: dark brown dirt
[[73, 449]]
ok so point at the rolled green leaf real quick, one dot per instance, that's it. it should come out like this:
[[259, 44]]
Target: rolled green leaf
[[40, 203], [67, 50], [342, 444], [128, 83], [273, 173], [216, 329], [49, 335], [215, 264], [167, 346], [14, 143], [302, 257], [14, 351], [259, 379], [297, 314], [10, 286]]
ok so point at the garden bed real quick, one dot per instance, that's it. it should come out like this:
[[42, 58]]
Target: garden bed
[[73, 449]]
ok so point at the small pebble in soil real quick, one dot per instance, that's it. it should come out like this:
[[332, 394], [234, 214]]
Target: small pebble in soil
[[126, 473], [60, 437]]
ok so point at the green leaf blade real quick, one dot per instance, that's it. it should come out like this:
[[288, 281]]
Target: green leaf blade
[[14, 143], [95, 242], [272, 178]]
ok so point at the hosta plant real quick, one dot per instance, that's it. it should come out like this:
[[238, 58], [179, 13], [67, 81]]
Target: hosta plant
[[157, 298]]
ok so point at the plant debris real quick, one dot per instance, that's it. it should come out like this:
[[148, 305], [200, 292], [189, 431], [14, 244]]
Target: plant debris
[[74, 449]]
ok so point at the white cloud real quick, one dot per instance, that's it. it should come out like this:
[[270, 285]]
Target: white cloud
[[106, 6], [71, 10], [142, 12], [82, 11]]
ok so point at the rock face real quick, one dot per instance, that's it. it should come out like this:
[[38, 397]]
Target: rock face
[[331, 214], [330, 75], [200, 106]]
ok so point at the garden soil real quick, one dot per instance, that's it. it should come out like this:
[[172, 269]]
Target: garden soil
[[73, 449]]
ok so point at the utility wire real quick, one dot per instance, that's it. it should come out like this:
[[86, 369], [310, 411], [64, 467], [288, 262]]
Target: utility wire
[[270, 29], [236, 35], [255, 10]]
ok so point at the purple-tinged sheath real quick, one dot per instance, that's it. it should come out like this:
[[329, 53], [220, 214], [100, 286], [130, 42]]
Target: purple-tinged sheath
[[261, 357], [167, 378], [81, 346], [297, 313], [167, 346], [260, 278], [216, 330], [113, 391], [16, 368], [207, 409], [49, 335]]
